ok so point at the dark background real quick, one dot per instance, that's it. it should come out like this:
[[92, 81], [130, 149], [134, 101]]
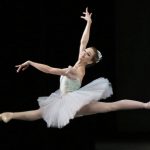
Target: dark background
[[50, 32]]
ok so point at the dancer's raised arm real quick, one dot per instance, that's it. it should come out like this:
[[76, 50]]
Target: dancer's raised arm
[[86, 33], [41, 67]]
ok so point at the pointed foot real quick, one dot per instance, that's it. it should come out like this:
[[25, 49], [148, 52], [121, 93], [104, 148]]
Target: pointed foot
[[6, 117]]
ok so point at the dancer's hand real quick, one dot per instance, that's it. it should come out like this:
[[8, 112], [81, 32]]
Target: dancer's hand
[[87, 15], [23, 66]]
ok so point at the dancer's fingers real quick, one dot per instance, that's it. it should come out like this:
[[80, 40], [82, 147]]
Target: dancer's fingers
[[86, 9], [83, 17], [19, 69], [17, 65]]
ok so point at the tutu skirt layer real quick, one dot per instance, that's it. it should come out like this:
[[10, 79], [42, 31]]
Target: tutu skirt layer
[[58, 109]]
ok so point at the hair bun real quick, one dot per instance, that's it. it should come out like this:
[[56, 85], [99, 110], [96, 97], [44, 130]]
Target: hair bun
[[99, 56]]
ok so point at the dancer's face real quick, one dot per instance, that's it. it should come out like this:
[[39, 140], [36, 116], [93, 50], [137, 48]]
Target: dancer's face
[[87, 55]]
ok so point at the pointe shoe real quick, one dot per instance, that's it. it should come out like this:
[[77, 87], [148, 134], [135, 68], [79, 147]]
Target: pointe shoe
[[1, 117], [6, 117], [147, 105]]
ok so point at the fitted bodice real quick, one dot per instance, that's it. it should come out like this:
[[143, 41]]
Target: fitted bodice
[[69, 85]]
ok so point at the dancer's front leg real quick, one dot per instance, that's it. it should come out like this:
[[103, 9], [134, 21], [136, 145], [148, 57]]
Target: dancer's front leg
[[25, 115], [103, 107]]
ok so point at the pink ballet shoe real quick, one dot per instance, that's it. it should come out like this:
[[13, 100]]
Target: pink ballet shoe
[[6, 117], [0, 117], [147, 105]]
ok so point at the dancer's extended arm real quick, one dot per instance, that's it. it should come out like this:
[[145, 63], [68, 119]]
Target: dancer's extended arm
[[41, 67], [86, 33]]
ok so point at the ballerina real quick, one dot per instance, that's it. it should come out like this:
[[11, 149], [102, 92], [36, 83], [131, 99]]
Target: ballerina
[[72, 100]]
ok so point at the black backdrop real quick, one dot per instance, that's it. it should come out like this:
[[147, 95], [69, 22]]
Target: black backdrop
[[50, 32], [132, 51]]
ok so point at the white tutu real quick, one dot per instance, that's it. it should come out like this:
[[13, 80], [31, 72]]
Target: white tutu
[[58, 109]]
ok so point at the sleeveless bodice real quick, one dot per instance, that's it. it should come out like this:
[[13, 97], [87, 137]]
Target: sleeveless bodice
[[69, 85]]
